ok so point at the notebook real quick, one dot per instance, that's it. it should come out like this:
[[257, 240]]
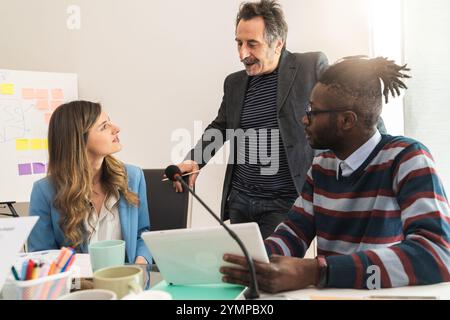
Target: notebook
[[219, 291], [194, 256]]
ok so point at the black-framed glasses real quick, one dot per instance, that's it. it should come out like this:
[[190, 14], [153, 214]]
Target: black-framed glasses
[[310, 113]]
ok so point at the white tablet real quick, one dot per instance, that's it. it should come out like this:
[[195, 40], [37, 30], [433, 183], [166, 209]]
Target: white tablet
[[194, 256]]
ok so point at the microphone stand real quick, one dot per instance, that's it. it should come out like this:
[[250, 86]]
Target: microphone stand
[[253, 288]]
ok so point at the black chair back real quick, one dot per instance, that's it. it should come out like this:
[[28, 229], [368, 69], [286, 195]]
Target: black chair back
[[167, 209]]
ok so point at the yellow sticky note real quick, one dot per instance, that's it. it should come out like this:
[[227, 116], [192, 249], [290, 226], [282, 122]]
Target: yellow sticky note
[[7, 88], [44, 144], [36, 144], [22, 144]]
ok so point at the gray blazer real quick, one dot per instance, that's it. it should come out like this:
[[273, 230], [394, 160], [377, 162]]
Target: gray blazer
[[297, 75]]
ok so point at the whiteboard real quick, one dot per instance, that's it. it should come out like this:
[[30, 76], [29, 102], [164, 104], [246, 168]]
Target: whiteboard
[[27, 100]]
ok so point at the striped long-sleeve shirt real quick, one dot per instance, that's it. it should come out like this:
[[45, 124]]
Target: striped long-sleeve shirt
[[262, 168], [391, 212]]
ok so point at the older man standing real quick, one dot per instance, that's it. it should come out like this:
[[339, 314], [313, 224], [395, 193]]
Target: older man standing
[[264, 102]]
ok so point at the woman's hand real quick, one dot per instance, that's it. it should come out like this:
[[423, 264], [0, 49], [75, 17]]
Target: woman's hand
[[140, 260]]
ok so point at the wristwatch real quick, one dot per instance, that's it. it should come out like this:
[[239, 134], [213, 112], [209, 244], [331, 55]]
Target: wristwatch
[[322, 276]]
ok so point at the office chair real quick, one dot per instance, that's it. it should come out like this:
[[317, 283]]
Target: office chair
[[167, 209]]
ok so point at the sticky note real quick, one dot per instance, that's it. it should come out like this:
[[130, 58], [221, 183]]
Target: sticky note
[[47, 117], [55, 104], [27, 93], [36, 144], [41, 94], [38, 168], [57, 94], [24, 169], [42, 104], [22, 144], [7, 88], [44, 144]]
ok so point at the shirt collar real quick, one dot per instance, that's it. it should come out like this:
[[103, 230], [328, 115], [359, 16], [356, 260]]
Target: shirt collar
[[357, 158], [108, 204], [111, 201]]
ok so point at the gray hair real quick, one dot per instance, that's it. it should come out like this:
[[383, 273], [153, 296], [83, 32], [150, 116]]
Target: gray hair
[[275, 25]]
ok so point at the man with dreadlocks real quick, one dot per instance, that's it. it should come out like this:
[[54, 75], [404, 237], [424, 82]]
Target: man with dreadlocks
[[374, 201]]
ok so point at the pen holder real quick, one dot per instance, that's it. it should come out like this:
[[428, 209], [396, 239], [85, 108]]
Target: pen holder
[[45, 288]]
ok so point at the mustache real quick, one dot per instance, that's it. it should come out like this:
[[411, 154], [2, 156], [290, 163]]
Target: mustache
[[249, 60]]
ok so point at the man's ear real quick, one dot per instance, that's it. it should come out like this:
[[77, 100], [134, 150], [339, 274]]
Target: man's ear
[[348, 119], [279, 46]]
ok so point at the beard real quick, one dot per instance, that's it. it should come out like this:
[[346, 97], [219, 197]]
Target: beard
[[326, 138], [252, 66]]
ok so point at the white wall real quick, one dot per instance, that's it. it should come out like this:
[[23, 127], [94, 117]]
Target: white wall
[[159, 65], [427, 51]]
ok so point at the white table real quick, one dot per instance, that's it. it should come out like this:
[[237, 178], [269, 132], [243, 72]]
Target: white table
[[439, 291]]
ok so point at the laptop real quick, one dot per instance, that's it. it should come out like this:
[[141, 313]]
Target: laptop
[[13, 234], [194, 256]]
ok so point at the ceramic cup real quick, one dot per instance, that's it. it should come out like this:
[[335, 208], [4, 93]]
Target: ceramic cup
[[120, 279], [107, 253], [91, 294], [148, 295]]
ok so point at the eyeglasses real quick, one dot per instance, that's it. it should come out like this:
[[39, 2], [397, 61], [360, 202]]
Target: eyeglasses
[[310, 113]]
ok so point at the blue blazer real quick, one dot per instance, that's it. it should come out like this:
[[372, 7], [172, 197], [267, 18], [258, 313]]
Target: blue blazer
[[47, 233]]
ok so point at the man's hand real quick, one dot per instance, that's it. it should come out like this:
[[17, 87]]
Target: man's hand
[[281, 274], [187, 166]]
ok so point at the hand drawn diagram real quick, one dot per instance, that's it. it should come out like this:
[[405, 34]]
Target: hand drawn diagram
[[12, 120], [27, 100]]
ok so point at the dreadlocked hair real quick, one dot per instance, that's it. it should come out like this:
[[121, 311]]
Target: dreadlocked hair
[[356, 83]]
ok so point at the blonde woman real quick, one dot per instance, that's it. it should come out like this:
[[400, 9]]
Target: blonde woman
[[88, 195]]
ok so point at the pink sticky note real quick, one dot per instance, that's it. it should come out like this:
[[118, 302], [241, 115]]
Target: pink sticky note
[[24, 169], [27, 93], [41, 94], [55, 104], [57, 94], [47, 117], [42, 104]]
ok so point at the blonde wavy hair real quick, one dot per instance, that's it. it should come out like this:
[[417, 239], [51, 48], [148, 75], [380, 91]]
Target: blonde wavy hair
[[69, 169]]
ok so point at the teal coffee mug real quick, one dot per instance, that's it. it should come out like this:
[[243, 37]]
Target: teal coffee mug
[[107, 253]]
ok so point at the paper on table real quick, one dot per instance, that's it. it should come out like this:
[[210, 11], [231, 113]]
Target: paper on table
[[374, 297], [83, 261], [13, 234]]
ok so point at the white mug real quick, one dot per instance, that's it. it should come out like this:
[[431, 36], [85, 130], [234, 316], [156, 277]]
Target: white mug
[[148, 295], [91, 294], [122, 280]]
